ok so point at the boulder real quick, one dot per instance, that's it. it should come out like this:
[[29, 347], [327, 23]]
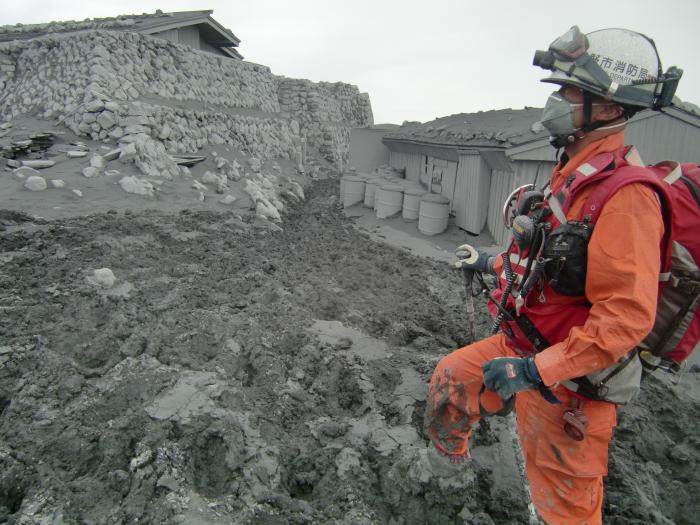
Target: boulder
[[102, 277], [213, 178], [116, 133], [128, 152], [164, 132], [91, 172], [137, 186], [94, 106], [97, 161], [35, 183], [24, 172], [73, 154], [228, 199], [38, 163], [106, 120]]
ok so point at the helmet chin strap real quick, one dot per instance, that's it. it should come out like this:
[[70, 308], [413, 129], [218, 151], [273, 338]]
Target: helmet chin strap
[[563, 141], [589, 126], [613, 126]]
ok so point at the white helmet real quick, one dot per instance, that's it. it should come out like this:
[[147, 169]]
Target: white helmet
[[617, 64]]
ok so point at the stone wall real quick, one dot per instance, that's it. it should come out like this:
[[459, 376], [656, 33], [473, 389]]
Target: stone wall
[[109, 85], [326, 112]]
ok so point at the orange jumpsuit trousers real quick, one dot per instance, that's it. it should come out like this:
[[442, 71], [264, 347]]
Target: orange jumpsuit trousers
[[566, 476]]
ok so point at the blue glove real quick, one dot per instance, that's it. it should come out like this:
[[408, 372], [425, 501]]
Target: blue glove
[[508, 375], [473, 259]]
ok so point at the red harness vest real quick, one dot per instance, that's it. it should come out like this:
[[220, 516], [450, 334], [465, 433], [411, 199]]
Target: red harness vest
[[529, 323]]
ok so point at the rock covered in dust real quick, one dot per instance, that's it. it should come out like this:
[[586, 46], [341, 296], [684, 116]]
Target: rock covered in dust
[[212, 178], [78, 193], [57, 183], [267, 205], [102, 277], [152, 158], [39, 163], [106, 120], [137, 186], [128, 152], [264, 210], [75, 154], [35, 183], [228, 199], [91, 172], [24, 172], [97, 161]]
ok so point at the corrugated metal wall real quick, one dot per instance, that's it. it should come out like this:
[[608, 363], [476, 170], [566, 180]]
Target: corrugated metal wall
[[472, 193], [657, 136], [412, 162], [190, 36], [170, 35], [661, 137], [503, 183]]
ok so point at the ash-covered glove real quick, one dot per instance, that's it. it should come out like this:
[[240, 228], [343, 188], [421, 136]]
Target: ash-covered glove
[[472, 259], [508, 375]]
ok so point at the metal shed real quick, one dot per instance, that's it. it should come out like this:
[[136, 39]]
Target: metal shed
[[477, 159]]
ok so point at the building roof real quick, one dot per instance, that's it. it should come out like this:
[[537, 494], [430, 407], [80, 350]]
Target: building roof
[[146, 23], [515, 130], [494, 128]]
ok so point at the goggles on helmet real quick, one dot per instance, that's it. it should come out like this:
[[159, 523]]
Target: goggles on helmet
[[568, 57], [571, 45]]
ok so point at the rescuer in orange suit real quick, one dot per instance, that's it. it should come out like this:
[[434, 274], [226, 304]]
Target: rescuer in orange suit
[[557, 340]]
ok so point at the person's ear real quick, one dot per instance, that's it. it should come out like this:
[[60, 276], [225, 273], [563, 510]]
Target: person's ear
[[609, 112]]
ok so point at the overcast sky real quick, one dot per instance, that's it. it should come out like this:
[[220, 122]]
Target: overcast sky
[[418, 60]]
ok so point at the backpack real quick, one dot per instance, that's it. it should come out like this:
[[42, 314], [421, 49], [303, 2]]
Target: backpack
[[676, 331]]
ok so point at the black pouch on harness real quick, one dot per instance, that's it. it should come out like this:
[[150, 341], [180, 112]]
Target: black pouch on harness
[[565, 253]]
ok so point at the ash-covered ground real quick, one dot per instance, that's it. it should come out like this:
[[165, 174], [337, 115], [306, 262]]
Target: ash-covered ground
[[239, 372]]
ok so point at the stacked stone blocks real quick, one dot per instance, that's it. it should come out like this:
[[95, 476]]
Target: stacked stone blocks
[[112, 85]]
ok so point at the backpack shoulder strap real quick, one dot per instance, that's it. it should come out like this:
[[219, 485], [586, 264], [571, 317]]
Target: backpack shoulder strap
[[658, 177], [595, 170]]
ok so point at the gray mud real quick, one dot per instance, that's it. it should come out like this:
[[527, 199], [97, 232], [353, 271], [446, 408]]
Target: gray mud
[[237, 373]]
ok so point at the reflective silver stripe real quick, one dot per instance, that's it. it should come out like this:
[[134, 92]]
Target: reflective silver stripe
[[633, 157], [612, 89], [586, 169], [556, 209], [674, 175]]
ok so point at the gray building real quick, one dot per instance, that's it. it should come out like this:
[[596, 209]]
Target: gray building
[[196, 29], [477, 159]]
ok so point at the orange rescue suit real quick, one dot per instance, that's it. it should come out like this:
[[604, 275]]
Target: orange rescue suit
[[566, 476]]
